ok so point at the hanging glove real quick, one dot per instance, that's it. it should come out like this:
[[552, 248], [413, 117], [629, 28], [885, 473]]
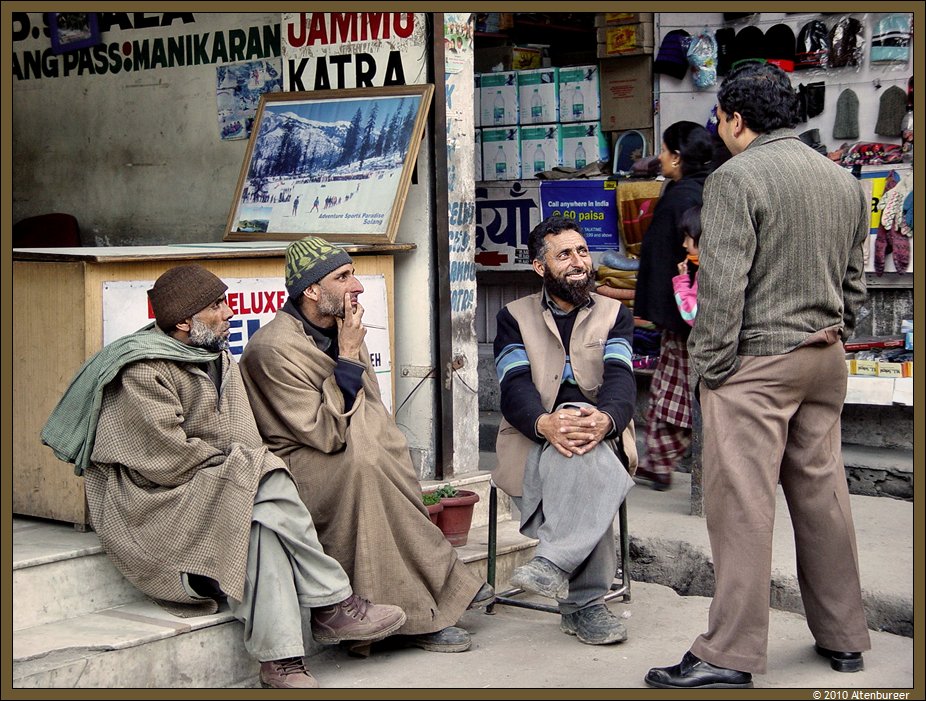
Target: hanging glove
[[894, 242], [892, 214], [908, 213], [900, 246]]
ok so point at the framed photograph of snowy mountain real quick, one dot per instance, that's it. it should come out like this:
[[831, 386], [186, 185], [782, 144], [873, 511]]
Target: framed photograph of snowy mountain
[[331, 163]]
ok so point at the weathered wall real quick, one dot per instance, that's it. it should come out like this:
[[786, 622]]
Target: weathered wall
[[126, 138], [139, 160], [461, 377]]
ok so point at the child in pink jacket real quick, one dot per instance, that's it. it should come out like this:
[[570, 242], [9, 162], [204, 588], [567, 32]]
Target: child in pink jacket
[[686, 284]]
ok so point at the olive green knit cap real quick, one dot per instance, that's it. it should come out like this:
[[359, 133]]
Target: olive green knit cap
[[309, 260]]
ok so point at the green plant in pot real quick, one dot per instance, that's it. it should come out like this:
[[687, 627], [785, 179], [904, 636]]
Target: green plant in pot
[[457, 515], [432, 502]]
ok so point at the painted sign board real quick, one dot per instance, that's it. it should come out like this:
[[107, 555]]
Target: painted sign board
[[254, 302]]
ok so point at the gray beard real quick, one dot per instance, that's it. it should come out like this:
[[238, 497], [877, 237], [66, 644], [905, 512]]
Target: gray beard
[[201, 336], [576, 294]]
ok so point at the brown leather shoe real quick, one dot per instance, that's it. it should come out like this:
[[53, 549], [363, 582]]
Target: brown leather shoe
[[355, 618], [286, 674]]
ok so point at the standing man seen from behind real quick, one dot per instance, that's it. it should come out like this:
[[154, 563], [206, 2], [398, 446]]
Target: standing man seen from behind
[[187, 501], [780, 283], [563, 358], [317, 404]]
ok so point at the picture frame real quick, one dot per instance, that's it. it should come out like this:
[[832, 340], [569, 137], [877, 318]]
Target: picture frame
[[329, 163], [73, 30]]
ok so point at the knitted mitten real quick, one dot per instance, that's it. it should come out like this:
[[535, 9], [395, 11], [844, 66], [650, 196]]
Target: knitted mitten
[[900, 246], [882, 248]]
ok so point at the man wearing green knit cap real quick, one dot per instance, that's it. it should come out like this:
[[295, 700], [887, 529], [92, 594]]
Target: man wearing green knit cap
[[317, 404]]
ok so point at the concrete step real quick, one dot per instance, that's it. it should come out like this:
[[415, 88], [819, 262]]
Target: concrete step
[[54, 557], [138, 645], [87, 637], [511, 550]]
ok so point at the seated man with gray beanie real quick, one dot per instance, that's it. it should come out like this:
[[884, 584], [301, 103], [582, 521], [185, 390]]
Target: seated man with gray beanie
[[317, 404], [187, 501]]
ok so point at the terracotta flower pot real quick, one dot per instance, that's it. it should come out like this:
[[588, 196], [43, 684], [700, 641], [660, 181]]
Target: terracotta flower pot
[[434, 511], [457, 516]]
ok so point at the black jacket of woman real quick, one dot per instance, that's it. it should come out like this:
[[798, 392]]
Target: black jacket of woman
[[662, 251]]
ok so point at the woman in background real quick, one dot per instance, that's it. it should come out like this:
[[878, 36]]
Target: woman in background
[[686, 160]]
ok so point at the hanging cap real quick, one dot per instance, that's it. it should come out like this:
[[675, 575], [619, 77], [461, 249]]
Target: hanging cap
[[891, 110], [726, 38], [672, 58], [749, 45], [846, 124], [890, 39], [779, 46], [845, 43], [812, 46]]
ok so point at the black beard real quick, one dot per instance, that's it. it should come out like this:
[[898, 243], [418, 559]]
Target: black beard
[[575, 293]]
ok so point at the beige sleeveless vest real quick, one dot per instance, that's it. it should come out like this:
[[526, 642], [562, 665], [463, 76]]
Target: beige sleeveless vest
[[547, 358]]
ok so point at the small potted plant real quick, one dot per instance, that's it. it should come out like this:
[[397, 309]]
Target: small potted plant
[[457, 515], [432, 502]]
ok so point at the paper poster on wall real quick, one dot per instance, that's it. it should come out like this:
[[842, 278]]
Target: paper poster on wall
[[255, 302], [238, 87], [335, 50], [505, 214], [592, 203]]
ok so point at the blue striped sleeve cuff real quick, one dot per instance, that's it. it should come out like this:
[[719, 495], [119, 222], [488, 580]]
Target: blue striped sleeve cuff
[[511, 358], [619, 350]]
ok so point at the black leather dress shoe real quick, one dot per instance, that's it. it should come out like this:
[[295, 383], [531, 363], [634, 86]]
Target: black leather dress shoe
[[694, 673], [842, 661]]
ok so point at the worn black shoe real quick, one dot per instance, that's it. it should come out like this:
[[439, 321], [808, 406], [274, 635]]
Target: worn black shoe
[[694, 673], [542, 577], [594, 625], [842, 661], [484, 597], [449, 639], [660, 481]]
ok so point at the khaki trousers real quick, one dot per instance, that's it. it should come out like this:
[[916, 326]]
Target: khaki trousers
[[288, 573], [778, 419]]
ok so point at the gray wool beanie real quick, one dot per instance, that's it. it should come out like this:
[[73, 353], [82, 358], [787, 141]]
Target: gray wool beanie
[[846, 124], [309, 260], [891, 111]]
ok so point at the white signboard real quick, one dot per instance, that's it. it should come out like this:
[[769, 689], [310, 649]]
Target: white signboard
[[254, 301], [334, 50]]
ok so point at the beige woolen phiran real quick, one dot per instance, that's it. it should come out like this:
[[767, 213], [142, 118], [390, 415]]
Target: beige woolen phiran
[[161, 423], [355, 475]]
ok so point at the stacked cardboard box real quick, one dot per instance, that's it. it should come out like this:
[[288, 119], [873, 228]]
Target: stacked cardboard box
[[605, 19], [535, 120], [508, 58], [627, 93], [625, 40]]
